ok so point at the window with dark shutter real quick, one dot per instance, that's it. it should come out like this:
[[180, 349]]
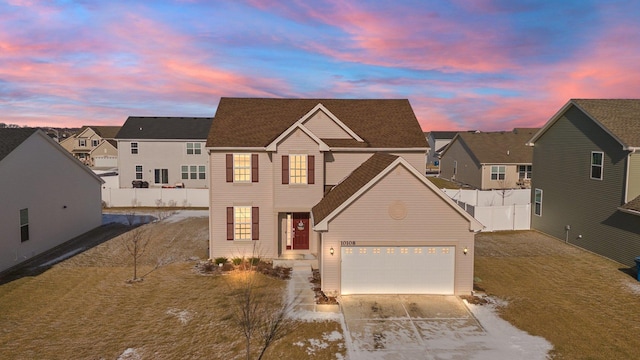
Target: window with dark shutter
[[230, 223], [285, 169], [311, 169], [229, 167], [254, 168], [255, 223]]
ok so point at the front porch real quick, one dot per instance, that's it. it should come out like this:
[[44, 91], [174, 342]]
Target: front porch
[[291, 260]]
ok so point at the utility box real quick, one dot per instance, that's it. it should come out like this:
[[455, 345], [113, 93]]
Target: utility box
[[638, 268]]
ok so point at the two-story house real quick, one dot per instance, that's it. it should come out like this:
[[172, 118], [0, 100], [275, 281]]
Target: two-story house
[[47, 197], [341, 181], [83, 145], [489, 160], [163, 151], [586, 190]]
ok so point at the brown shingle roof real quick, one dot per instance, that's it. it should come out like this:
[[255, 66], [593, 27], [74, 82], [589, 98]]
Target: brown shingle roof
[[351, 184], [11, 138], [503, 147], [620, 116], [633, 205], [256, 122]]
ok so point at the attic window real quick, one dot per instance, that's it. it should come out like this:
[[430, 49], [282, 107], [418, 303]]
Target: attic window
[[134, 147], [194, 149]]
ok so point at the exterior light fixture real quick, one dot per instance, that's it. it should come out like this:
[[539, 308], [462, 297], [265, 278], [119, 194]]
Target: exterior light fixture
[[331, 251], [465, 250]]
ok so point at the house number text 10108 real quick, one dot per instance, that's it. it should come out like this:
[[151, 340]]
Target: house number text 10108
[[348, 243]]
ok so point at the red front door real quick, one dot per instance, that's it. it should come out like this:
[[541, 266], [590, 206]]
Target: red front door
[[300, 231]]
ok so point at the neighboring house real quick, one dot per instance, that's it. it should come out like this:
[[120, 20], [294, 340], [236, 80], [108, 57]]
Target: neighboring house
[[586, 190], [437, 140], [105, 155], [83, 144], [489, 160], [164, 151], [341, 181], [47, 196]]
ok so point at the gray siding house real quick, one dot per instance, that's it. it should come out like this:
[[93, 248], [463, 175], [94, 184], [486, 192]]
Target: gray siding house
[[587, 184]]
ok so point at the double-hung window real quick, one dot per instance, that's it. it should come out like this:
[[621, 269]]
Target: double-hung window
[[138, 172], [134, 147], [242, 168], [194, 148], [298, 169], [95, 142], [524, 171], [193, 172], [537, 202], [597, 164], [243, 223], [24, 225], [498, 172], [82, 142]]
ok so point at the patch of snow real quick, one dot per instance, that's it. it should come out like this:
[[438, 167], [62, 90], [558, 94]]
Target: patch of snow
[[503, 340], [333, 336], [634, 287], [130, 354], [299, 343], [62, 257], [185, 214], [184, 316]]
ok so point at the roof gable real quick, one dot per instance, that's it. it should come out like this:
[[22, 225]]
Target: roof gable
[[165, 128], [258, 122], [365, 177], [11, 138], [501, 147], [620, 118]]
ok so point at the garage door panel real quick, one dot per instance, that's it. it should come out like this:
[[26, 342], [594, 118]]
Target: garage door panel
[[398, 270]]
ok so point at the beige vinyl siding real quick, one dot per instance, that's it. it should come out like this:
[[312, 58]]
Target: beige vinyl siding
[[561, 159], [62, 197], [633, 190], [429, 221], [468, 170], [340, 164], [325, 128], [170, 155], [297, 197], [224, 194], [509, 182]]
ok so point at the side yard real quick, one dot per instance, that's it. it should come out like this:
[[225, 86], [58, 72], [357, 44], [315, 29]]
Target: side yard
[[587, 306], [82, 308]]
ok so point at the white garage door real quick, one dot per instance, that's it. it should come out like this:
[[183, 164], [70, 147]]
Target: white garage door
[[398, 270]]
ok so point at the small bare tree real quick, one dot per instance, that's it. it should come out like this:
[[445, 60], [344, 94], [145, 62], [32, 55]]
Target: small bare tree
[[262, 315], [136, 243]]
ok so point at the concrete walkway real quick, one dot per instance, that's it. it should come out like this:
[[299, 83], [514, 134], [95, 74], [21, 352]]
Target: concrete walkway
[[300, 287]]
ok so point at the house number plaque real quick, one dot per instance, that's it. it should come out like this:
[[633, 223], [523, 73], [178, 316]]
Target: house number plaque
[[348, 243]]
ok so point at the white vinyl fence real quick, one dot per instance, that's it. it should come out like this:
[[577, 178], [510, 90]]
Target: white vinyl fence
[[113, 196], [496, 209], [155, 197]]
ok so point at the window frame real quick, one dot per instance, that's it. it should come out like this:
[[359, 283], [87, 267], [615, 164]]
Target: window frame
[[138, 174], [253, 223], [95, 142], [497, 173], [597, 166], [298, 172], [134, 148], [528, 171], [82, 142], [537, 202], [24, 225], [242, 167], [192, 149], [162, 175]]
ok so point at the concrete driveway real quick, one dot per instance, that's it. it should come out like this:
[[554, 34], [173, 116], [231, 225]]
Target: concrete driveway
[[409, 326]]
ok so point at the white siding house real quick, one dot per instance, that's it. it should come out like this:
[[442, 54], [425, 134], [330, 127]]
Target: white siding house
[[46, 196]]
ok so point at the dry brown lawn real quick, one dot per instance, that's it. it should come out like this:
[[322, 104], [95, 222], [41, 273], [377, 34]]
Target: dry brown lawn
[[587, 306], [82, 308]]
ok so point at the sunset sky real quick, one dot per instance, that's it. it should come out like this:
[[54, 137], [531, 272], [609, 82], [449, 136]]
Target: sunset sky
[[479, 64]]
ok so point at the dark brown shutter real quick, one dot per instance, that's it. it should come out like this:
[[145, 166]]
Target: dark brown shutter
[[311, 169], [285, 169], [230, 223], [254, 167], [255, 223], [229, 167]]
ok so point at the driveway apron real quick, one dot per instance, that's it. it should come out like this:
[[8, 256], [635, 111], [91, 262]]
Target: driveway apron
[[410, 327]]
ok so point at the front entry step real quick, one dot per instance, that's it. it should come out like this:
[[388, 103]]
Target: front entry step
[[291, 260]]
